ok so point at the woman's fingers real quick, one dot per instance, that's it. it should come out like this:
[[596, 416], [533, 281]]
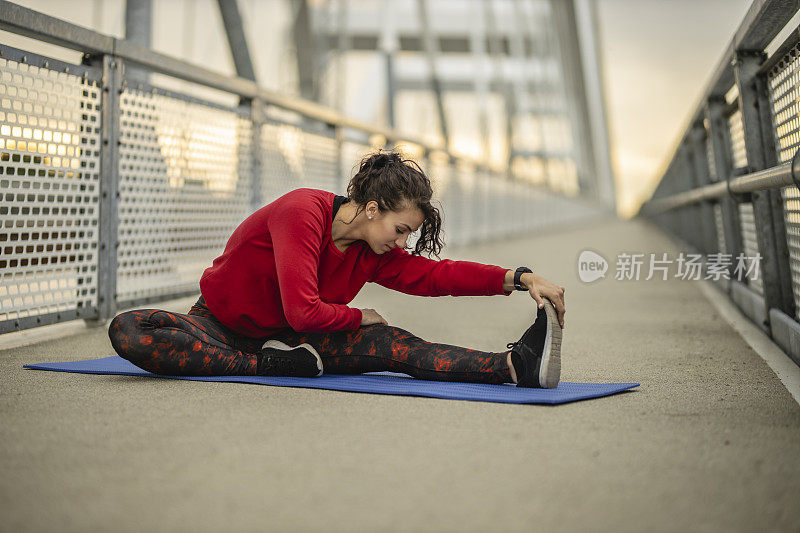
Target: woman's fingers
[[557, 299], [536, 296], [560, 310], [371, 316]]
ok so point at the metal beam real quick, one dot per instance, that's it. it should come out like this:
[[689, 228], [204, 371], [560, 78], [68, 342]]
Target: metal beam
[[306, 51], [495, 51], [527, 87], [571, 65], [414, 42], [139, 22], [109, 190], [389, 45], [342, 45], [139, 30], [481, 77], [431, 51], [237, 39], [588, 30], [30, 23], [466, 84], [171, 66]]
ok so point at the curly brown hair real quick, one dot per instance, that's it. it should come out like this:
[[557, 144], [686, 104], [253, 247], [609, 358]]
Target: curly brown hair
[[396, 183]]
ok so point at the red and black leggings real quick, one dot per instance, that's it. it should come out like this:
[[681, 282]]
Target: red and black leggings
[[197, 344]]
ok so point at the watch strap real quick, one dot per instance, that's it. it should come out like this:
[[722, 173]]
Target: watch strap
[[518, 278]]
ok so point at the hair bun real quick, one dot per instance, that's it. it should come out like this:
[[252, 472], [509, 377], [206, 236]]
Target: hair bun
[[384, 159]]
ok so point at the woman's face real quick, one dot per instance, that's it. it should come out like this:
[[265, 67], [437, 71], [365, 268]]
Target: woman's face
[[385, 231]]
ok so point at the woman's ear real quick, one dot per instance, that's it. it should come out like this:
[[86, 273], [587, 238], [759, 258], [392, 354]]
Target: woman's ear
[[372, 209]]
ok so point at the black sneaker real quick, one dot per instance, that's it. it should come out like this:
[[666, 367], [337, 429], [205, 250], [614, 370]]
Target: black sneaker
[[537, 355], [279, 359]]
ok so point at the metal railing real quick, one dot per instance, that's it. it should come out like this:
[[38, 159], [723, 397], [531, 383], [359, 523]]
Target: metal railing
[[118, 194], [731, 186]]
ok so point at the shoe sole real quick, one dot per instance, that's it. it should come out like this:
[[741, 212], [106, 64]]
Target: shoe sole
[[550, 369], [272, 343]]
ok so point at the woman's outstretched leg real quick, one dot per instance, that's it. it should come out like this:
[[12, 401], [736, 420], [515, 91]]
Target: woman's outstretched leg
[[197, 344], [387, 348], [176, 344]]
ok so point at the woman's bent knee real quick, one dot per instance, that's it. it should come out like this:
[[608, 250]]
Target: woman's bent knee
[[131, 334]]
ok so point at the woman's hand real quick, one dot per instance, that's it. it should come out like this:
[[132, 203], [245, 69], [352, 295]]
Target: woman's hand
[[371, 316], [540, 288]]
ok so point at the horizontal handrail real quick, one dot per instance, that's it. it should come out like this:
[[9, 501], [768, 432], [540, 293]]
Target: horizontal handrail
[[771, 178]]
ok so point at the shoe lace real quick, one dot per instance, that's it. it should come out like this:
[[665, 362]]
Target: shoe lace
[[512, 344]]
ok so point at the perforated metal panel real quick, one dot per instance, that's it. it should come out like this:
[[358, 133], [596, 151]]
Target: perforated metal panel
[[465, 181], [481, 206], [321, 162], [352, 154], [784, 93], [791, 213], [49, 183], [185, 184], [293, 158], [498, 205], [737, 140], [446, 192]]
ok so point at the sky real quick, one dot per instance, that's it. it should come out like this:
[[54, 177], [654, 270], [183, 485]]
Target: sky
[[658, 56]]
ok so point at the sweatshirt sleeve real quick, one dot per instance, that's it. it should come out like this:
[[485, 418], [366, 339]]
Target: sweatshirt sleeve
[[420, 276], [296, 231]]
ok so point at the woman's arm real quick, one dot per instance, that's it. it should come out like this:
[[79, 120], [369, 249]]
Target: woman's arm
[[420, 276], [413, 274]]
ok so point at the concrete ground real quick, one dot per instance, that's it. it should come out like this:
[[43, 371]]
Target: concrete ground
[[709, 442]]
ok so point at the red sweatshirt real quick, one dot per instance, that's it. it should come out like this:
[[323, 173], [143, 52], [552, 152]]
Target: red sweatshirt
[[281, 269]]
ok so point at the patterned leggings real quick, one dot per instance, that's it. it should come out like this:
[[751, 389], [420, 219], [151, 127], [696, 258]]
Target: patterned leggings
[[198, 344]]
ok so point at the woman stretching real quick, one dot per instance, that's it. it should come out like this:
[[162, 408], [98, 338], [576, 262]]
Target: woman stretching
[[275, 302]]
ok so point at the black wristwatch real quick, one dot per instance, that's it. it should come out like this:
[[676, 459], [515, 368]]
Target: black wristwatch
[[518, 278]]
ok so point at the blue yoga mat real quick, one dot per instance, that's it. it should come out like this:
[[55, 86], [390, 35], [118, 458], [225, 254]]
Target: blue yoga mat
[[375, 382]]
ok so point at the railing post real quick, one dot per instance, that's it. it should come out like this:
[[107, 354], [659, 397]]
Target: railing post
[[344, 178], [683, 182], [719, 137], [767, 205], [109, 189], [700, 172], [256, 189]]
